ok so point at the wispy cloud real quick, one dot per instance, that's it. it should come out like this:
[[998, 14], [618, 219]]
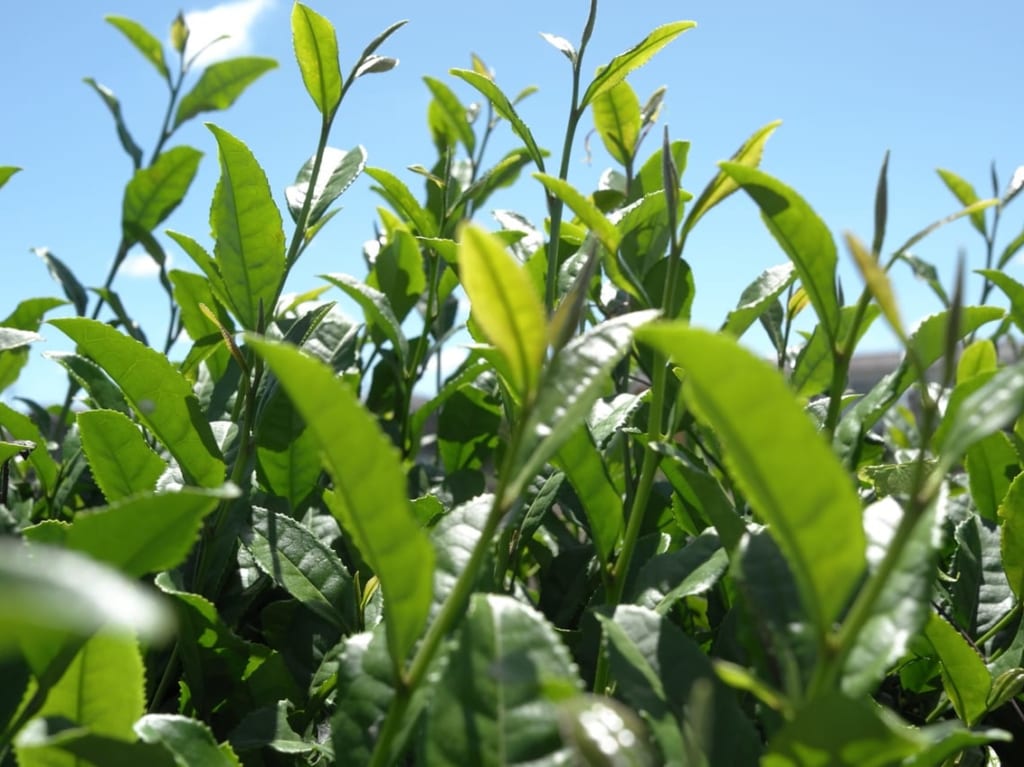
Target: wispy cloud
[[236, 19]]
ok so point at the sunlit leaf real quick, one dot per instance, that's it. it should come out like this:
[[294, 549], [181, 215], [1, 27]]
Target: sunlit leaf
[[589, 213], [964, 676], [617, 119], [121, 462], [144, 41], [123, 134], [376, 307], [316, 50], [453, 111], [965, 193], [338, 170], [403, 201], [155, 191], [757, 296], [220, 85]]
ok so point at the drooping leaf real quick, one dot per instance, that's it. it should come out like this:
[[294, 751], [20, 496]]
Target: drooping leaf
[[292, 555], [797, 486], [800, 233], [123, 134], [143, 40], [377, 309], [338, 170], [157, 190], [619, 67], [316, 50], [503, 107], [142, 534], [189, 740], [121, 462], [757, 296], [589, 213], [403, 201], [45, 588], [505, 305], [617, 119], [160, 397], [369, 491], [246, 225], [497, 707], [220, 85], [65, 278]]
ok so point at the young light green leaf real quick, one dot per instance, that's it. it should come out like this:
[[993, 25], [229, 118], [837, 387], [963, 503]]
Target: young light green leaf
[[139, 535], [220, 85], [966, 679], [505, 304], [503, 107], [403, 201], [65, 278], [121, 462], [6, 171], [45, 588], [620, 66], [1011, 518], [316, 50], [965, 193], [338, 170], [189, 740], [1013, 289], [246, 225], [161, 398], [507, 667], [801, 234], [589, 213], [618, 121], [19, 426], [757, 296], [102, 690], [878, 284], [155, 191], [797, 486], [453, 111], [127, 142], [369, 489], [144, 41], [304, 566], [561, 44], [376, 307]]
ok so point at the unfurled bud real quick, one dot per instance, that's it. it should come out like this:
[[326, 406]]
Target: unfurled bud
[[179, 33]]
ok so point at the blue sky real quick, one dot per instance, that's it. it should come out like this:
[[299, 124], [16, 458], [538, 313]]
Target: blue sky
[[936, 83]]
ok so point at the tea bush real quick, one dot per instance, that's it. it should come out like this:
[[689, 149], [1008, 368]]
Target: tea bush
[[610, 537]]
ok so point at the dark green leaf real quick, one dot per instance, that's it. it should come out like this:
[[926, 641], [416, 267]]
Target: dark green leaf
[[20, 427], [148, 45], [157, 190], [338, 170], [269, 727], [757, 297], [667, 578], [127, 142], [620, 66], [991, 465], [65, 278], [121, 462], [160, 397], [220, 85], [101, 390], [798, 486], [189, 740], [376, 307], [369, 492], [316, 50], [964, 676], [247, 227], [305, 567]]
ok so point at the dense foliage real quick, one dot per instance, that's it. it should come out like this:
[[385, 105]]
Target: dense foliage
[[611, 538]]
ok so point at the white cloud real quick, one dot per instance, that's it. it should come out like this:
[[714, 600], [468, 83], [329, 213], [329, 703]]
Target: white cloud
[[140, 266], [236, 19]]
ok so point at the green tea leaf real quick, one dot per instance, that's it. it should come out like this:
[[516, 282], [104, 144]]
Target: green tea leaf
[[220, 86], [503, 107], [20, 427], [1013, 289], [246, 224], [139, 535], [121, 462], [496, 706], [620, 66], [6, 171], [723, 185], [316, 50], [189, 740], [160, 397], [800, 233], [57, 734], [453, 111], [338, 171], [403, 201], [1011, 517], [878, 284], [369, 489], [65, 278], [964, 676], [45, 589], [305, 567], [617, 120], [376, 307], [666, 578], [148, 45], [101, 690], [991, 465], [965, 193], [815, 364], [589, 213], [506, 306], [287, 454], [797, 485], [155, 191], [123, 134], [12, 338], [757, 297]]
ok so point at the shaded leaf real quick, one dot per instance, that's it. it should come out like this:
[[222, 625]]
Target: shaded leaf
[[65, 278], [1011, 517], [966, 679], [453, 111], [189, 740], [123, 135]]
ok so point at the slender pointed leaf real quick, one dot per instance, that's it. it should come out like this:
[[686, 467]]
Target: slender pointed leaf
[[878, 284], [369, 491], [561, 44], [965, 193], [157, 190], [589, 213], [797, 486], [123, 134], [1013, 289], [316, 50], [121, 462], [620, 66], [220, 85], [144, 41], [338, 171], [757, 297], [503, 107], [20, 427], [1011, 517], [65, 278], [6, 171], [376, 307], [505, 304], [161, 398], [453, 111], [247, 227], [403, 201]]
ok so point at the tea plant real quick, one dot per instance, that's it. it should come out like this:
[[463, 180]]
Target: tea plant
[[624, 540]]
